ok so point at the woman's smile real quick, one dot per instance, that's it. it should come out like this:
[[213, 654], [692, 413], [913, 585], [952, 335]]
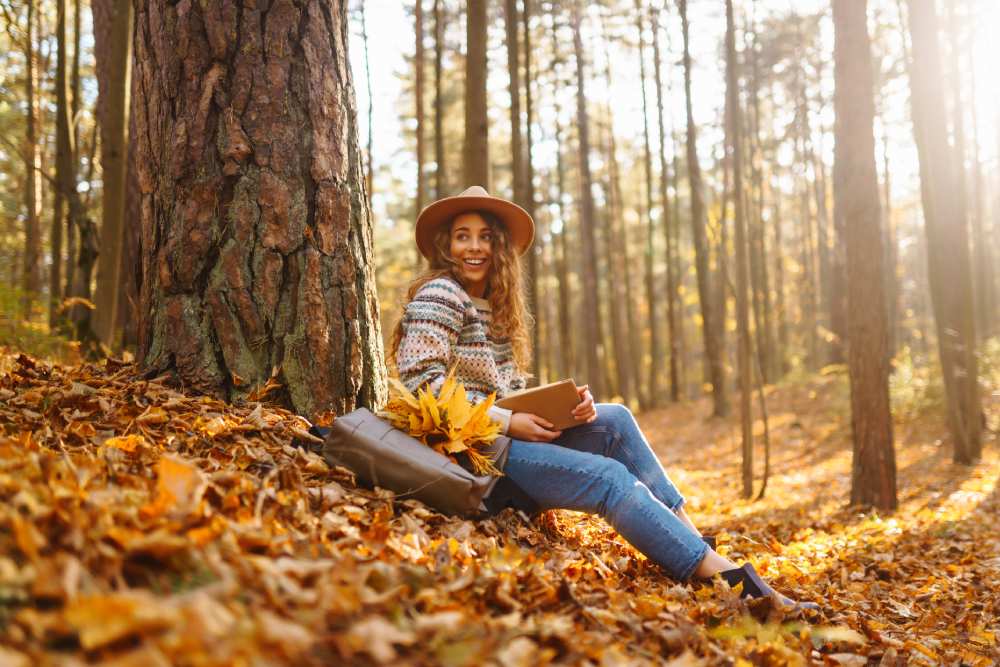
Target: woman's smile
[[472, 246]]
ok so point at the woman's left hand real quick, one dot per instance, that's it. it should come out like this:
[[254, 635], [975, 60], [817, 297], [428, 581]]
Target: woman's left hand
[[585, 411]]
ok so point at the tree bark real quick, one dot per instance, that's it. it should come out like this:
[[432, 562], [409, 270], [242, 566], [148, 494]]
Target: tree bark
[[710, 327], [945, 224], [735, 148], [256, 233], [113, 54], [856, 201], [475, 150], [590, 303]]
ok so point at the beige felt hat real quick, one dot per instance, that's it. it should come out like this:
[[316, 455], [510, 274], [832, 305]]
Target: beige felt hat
[[516, 219]]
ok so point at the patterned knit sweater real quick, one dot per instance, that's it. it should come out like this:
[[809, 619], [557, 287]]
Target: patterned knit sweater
[[444, 326]]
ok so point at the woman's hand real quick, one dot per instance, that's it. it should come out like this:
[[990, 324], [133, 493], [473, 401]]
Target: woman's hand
[[531, 427], [585, 412]]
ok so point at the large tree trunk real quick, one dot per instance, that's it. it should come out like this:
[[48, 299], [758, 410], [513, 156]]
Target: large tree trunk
[[475, 149], [113, 53], [734, 122], [31, 280], [948, 261], [711, 328], [256, 234], [566, 340], [856, 201], [588, 267], [651, 394]]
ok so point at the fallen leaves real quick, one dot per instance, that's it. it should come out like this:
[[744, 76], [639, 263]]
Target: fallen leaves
[[143, 526]]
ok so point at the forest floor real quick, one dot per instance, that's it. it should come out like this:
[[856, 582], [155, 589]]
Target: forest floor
[[140, 525]]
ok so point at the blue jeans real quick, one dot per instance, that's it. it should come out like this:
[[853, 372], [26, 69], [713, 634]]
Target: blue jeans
[[607, 468]]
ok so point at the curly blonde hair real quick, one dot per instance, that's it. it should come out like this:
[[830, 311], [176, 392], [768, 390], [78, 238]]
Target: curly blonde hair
[[504, 291]]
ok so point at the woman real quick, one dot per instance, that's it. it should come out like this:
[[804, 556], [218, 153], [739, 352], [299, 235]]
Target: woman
[[467, 310]]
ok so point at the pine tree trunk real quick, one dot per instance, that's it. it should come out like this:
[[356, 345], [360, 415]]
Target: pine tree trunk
[[983, 283], [475, 150], [562, 267], [652, 391], [113, 54], [518, 170], [625, 331], [759, 278], [945, 224], [541, 319], [711, 329], [440, 175], [418, 90], [856, 199], [31, 280], [256, 233], [734, 141], [590, 304], [672, 278]]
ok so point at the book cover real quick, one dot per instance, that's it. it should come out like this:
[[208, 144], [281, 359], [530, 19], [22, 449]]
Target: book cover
[[554, 401]]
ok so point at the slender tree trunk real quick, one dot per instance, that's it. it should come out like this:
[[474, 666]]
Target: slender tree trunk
[[892, 291], [369, 147], [517, 165], [65, 174], [680, 267], [624, 328], [651, 394], [418, 66], [475, 150], [588, 268], [541, 321], [671, 282], [31, 280], [440, 176], [113, 53], [948, 265], [562, 267], [710, 327], [983, 283], [759, 280], [734, 143], [256, 233], [857, 204]]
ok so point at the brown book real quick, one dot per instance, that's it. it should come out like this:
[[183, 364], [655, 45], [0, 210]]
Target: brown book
[[554, 401]]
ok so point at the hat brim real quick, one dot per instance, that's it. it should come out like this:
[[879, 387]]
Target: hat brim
[[517, 221]]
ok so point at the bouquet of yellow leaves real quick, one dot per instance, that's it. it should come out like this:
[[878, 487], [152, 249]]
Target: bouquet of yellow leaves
[[448, 422]]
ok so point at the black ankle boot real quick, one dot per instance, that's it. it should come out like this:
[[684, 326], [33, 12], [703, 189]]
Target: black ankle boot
[[755, 587]]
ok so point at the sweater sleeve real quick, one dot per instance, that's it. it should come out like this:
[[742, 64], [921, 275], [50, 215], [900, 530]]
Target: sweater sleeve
[[432, 322]]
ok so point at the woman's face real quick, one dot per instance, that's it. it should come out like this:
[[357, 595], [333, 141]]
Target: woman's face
[[472, 247]]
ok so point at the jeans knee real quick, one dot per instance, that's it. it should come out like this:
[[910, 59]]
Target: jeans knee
[[615, 412]]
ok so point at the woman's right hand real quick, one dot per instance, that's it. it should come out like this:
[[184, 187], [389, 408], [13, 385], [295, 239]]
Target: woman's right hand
[[531, 427]]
